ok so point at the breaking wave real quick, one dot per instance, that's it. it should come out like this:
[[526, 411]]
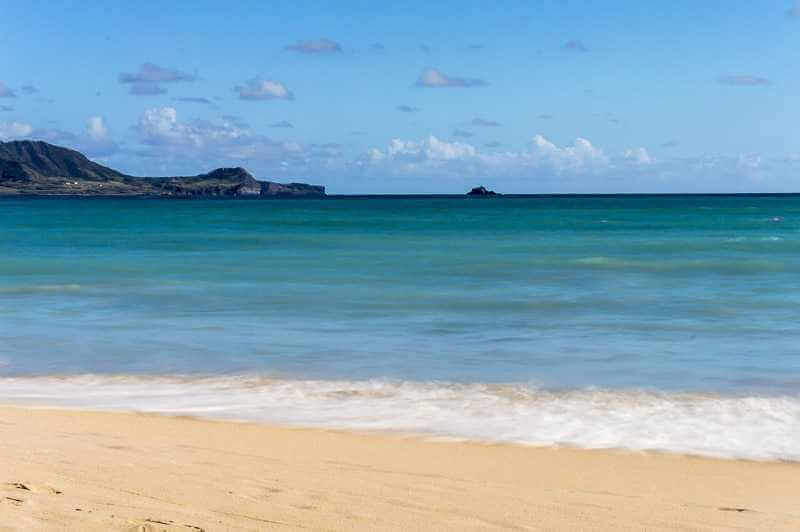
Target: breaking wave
[[746, 427]]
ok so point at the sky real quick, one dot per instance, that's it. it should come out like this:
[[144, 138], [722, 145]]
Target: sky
[[417, 97]]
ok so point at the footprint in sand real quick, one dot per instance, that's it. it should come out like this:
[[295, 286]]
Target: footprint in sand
[[733, 509], [33, 489], [158, 525]]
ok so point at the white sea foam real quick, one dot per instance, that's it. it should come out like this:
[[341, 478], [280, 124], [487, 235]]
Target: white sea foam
[[762, 428]]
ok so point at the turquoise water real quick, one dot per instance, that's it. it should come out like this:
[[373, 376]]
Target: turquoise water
[[493, 318]]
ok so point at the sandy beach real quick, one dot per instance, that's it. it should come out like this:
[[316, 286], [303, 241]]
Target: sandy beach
[[75, 470]]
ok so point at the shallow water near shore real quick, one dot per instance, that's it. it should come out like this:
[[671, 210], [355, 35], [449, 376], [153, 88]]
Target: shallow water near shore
[[643, 322]]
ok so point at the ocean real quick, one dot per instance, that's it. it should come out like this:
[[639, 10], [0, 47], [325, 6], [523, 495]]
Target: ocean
[[665, 323]]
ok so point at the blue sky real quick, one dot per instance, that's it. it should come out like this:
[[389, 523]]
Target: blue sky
[[554, 96]]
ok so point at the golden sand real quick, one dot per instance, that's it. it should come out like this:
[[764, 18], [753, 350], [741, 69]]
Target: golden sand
[[73, 470]]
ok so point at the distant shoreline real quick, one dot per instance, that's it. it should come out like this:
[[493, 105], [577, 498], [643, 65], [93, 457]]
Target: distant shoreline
[[423, 196]]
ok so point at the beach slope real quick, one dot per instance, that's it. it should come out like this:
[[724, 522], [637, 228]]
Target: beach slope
[[72, 470]]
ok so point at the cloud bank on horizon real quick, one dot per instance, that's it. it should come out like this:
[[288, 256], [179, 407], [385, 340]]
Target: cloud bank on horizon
[[558, 98]]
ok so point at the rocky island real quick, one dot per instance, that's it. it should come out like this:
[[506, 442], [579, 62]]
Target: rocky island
[[40, 168], [482, 191]]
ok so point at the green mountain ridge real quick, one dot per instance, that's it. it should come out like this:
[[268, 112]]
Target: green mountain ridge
[[40, 168]]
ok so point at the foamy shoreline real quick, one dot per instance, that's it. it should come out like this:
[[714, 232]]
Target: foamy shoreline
[[119, 471], [712, 425]]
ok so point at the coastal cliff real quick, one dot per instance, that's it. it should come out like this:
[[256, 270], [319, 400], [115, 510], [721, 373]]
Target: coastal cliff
[[40, 168]]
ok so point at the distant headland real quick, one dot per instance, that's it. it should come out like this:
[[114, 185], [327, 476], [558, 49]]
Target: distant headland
[[43, 169]]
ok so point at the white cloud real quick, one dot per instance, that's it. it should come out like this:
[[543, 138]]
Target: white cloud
[[435, 78], [192, 146], [160, 126], [582, 155], [260, 89], [581, 167], [433, 154], [638, 156], [96, 128], [95, 142], [15, 130], [429, 149], [748, 163]]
